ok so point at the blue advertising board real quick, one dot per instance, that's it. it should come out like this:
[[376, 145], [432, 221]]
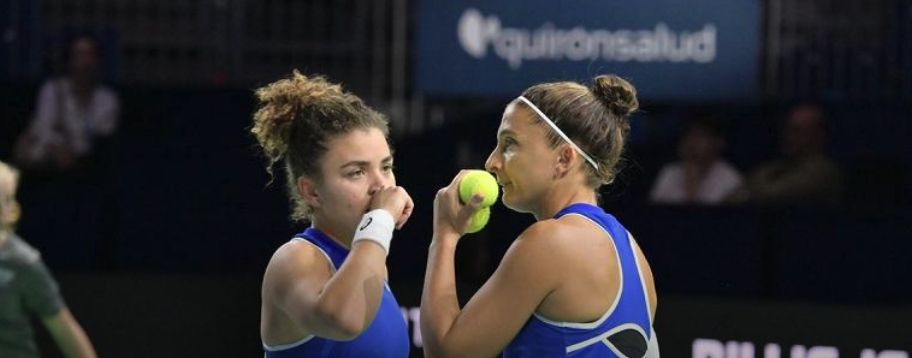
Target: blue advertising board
[[669, 49]]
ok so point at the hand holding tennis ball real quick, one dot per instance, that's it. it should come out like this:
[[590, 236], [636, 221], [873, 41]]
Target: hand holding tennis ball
[[482, 183]]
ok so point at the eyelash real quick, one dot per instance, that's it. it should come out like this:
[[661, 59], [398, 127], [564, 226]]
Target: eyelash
[[508, 143], [360, 172]]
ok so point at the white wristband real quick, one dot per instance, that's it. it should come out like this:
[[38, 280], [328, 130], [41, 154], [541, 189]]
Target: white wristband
[[377, 226]]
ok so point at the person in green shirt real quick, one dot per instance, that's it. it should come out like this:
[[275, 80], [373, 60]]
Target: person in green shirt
[[27, 288]]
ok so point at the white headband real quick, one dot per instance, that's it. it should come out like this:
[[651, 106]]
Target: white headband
[[558, 131]]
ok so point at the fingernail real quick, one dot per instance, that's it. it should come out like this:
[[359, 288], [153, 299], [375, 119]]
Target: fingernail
[[477, 199]]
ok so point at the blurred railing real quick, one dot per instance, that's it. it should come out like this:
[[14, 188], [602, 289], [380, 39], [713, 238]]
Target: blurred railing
[[238, 43], [232, 42], [824, 49], [838, 50]]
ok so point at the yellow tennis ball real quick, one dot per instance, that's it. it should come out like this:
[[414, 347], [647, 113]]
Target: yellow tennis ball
[[479, 220], [478, 182]]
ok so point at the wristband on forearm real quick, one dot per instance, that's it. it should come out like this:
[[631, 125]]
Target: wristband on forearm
[[377, 226]]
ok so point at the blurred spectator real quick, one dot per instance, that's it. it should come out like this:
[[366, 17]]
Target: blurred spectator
[[805, 175], [72, 111], [701, 176], [66, 152], [27, 288]]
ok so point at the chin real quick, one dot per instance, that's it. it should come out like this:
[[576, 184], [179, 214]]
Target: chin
[[510, 204]]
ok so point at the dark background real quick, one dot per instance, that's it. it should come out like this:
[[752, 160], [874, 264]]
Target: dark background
[[161, 254]]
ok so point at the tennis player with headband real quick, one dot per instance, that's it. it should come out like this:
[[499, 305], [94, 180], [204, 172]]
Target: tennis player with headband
[[573, 284]]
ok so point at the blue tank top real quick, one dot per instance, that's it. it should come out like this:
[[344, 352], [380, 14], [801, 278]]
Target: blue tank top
[[387, 335], [623, 331]]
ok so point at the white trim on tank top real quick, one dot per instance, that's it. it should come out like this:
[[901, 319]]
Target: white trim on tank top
[[617, 299], [602, 338], [282, 347], [640, 272], [306, 338], [332, 265]]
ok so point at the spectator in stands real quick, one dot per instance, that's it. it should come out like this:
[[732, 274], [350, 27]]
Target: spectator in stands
[[805, 175], [27, 288], [72, 112], [66, 152], [701, 176]]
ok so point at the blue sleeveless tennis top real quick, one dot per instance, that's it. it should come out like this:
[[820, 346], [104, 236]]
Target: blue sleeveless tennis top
[[387, 335], [623, 331]]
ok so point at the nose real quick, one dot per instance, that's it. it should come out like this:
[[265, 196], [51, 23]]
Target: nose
[[373, 189], [378, 181], [492, 164]]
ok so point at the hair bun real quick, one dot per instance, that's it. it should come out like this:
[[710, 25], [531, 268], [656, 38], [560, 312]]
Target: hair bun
[[615, 93]]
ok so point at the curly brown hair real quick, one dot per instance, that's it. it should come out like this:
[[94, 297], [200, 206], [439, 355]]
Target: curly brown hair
[[594, 118], [296, 117]]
